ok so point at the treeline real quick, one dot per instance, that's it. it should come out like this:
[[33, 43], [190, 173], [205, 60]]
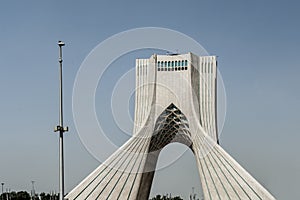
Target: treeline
[[23, 195], [165, 197]]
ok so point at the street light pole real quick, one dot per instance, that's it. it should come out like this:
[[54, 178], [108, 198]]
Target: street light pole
[[7, 194], [32, 191], [60, 127]]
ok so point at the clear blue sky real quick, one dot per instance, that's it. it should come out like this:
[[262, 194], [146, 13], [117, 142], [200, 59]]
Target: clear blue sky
[[258, 47]]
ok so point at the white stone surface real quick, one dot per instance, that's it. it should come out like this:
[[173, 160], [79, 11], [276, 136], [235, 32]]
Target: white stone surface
[[171, 105]]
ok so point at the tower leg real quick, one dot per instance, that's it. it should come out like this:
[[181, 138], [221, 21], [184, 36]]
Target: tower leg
[[223, 178], [147, 177]]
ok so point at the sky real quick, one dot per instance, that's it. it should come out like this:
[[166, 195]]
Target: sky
[[257, 44]]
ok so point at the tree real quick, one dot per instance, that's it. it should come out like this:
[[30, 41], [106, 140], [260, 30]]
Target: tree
[[165, 197], [22, 195]]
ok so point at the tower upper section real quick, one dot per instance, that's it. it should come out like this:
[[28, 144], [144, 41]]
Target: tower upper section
[[186, 80]]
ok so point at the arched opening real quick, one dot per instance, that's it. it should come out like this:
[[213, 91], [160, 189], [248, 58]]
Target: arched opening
[[176, 173], [170, 151], [171, 126]]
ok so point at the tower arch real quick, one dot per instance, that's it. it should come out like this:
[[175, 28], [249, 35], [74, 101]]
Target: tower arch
[[171, 126]]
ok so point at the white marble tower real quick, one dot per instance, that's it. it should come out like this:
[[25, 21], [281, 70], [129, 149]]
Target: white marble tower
[[175, 101]]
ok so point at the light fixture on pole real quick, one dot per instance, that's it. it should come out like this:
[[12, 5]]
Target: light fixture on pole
[[60, 128]]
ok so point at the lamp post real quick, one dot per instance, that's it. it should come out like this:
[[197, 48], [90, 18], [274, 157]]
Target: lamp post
[[32, 191], [7, 194], [60, 128]]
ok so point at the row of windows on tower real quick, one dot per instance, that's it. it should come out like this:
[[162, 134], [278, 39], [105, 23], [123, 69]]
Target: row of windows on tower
[[172, 65], [180, 63]]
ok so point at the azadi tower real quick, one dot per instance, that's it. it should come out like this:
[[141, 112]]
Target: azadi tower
[[175, 101]]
